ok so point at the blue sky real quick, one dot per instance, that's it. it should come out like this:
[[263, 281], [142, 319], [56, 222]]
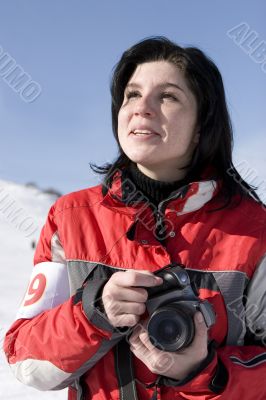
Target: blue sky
[[70, 47]]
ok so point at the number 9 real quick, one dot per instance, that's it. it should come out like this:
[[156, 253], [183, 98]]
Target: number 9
[[36, 289]]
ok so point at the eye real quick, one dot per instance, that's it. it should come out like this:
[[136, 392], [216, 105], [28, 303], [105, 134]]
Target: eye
[[131, 94], [167, 95]]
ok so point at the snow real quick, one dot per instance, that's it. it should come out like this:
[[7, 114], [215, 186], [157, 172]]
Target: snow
[[23, 210]]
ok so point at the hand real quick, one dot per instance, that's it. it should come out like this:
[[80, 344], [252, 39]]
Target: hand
[[174, 365], [123, 302]]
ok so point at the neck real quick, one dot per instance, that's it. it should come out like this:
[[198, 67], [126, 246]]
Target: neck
[[155, 190], [163, 175]]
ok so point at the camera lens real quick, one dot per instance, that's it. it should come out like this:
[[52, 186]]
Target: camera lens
[[171, 328], [168, 331]]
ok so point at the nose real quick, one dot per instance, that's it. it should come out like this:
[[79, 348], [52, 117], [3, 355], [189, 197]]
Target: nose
[[144, 107]]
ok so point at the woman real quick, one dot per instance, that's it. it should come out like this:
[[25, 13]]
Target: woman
[[172, 197]]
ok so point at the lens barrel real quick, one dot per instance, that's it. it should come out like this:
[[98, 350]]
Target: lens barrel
[[171, 328]]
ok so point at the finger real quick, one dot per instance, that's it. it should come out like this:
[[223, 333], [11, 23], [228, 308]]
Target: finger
[[116, 307], [141, 333], [201, 328], [135, 332], [149, 355], [144, 337], [126, 307], [201, 332], [132, 294], [126, 320], [134, 339], [138, 348], [136, 278]]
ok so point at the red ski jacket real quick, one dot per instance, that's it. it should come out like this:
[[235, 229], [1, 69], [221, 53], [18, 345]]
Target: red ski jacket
[[60, 339]]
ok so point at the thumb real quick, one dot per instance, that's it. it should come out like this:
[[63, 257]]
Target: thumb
[[201, 329]]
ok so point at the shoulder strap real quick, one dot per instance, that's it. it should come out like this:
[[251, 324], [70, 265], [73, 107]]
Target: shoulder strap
[[124, 371]]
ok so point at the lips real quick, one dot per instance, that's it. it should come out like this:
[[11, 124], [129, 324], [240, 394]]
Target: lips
[[143, 131]]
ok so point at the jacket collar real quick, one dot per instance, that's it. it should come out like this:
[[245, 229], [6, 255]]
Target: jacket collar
[[124, 197]]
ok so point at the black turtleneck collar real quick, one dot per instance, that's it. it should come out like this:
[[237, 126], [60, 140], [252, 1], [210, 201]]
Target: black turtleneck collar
[[156, 191]]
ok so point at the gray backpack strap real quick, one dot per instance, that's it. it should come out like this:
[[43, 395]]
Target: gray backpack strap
[[232, 285]]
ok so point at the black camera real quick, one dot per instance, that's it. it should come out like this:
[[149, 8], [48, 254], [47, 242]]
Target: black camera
[[171, 307]]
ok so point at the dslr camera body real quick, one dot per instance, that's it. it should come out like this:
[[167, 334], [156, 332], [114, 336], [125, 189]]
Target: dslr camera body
[[171, 308]]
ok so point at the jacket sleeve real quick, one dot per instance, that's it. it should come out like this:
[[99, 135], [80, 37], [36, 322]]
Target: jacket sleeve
[[52, 341], [235, 372]]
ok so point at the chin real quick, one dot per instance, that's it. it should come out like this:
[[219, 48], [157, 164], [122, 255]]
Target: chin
[[142, 163], [142, 159]]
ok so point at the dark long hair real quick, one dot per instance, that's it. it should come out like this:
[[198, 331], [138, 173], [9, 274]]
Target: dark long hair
[[204, 80]]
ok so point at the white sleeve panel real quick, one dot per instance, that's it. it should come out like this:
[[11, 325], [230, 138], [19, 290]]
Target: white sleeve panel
[[41, 375], [49, 287]]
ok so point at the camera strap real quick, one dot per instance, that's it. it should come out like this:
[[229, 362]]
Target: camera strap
[[124, 371]]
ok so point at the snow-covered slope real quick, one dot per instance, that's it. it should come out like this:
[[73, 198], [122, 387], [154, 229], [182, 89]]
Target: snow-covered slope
[[23, 210]]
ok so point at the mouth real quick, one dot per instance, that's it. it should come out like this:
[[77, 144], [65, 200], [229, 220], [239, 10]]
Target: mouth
[[143, 132]]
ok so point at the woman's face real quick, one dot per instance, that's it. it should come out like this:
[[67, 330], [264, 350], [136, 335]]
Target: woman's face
[[157, 120]]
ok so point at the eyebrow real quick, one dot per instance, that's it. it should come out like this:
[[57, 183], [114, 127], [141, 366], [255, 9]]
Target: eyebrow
[[163, 86]]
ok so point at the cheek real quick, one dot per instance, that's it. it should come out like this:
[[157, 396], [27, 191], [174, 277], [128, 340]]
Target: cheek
[[181, 127], [122, 129], [122, 121]]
